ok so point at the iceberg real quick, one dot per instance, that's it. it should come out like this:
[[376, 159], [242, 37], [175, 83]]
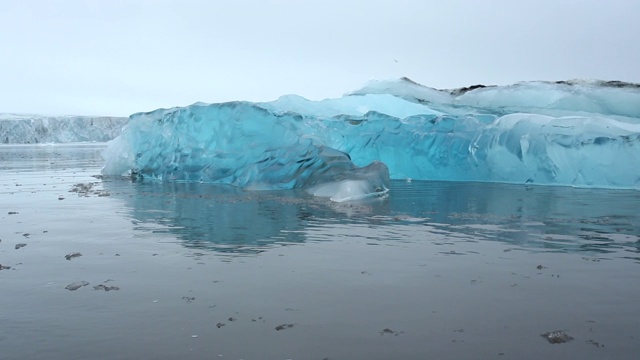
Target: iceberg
[[572, 133], [241, 144], [38, 129]]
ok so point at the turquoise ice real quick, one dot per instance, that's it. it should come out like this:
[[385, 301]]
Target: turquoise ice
[[573, 133]]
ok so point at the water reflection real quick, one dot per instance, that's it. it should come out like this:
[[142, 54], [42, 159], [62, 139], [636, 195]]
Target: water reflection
[[224, 218], [536, 218], [43, 157], [229, 220]]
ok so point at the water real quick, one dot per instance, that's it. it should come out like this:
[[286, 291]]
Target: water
[[437, 270]]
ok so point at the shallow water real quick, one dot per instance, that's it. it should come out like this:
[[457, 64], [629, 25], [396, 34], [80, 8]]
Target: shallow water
[[196, 271]]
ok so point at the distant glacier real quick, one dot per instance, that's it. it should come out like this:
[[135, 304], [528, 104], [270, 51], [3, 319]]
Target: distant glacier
[[39, 129], [572, 133]]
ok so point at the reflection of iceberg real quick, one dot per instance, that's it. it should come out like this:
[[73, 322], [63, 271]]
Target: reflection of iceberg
[[204, 216], [216, 217], [529, 218], [228, 220], [567, 133]]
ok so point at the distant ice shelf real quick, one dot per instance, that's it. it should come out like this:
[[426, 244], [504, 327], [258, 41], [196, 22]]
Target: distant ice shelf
[[38, 129], [573, 133]]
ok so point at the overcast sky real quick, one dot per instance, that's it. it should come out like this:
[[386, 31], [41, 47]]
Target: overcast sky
[[109, 57]]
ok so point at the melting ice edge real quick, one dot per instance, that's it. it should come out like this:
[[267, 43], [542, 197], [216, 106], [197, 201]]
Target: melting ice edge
[[572, 133]]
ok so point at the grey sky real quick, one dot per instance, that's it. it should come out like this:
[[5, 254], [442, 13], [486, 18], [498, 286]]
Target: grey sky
[[114, 57]]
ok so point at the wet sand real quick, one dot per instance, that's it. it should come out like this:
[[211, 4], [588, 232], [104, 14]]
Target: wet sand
[[112, 269]]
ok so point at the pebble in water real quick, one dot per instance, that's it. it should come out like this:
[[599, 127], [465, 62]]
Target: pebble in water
[[393, 332], [76, 285], [594, 343], [105, 287], [557, 337], [284, 326], [72, 255], [82, 189]]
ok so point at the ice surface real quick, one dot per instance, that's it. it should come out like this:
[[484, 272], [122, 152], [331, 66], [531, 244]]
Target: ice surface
[[37, 129], [241, 144], [576, 133]]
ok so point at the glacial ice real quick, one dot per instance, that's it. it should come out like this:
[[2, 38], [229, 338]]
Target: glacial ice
[[573, 133], [38, 129], [241, 144]]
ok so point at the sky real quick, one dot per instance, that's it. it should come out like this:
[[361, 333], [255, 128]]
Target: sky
[[115, 58]]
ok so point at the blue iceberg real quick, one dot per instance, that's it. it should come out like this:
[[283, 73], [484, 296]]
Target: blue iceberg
[[573, 133]]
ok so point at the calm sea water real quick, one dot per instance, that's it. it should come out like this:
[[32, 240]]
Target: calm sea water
[[195, 271]]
